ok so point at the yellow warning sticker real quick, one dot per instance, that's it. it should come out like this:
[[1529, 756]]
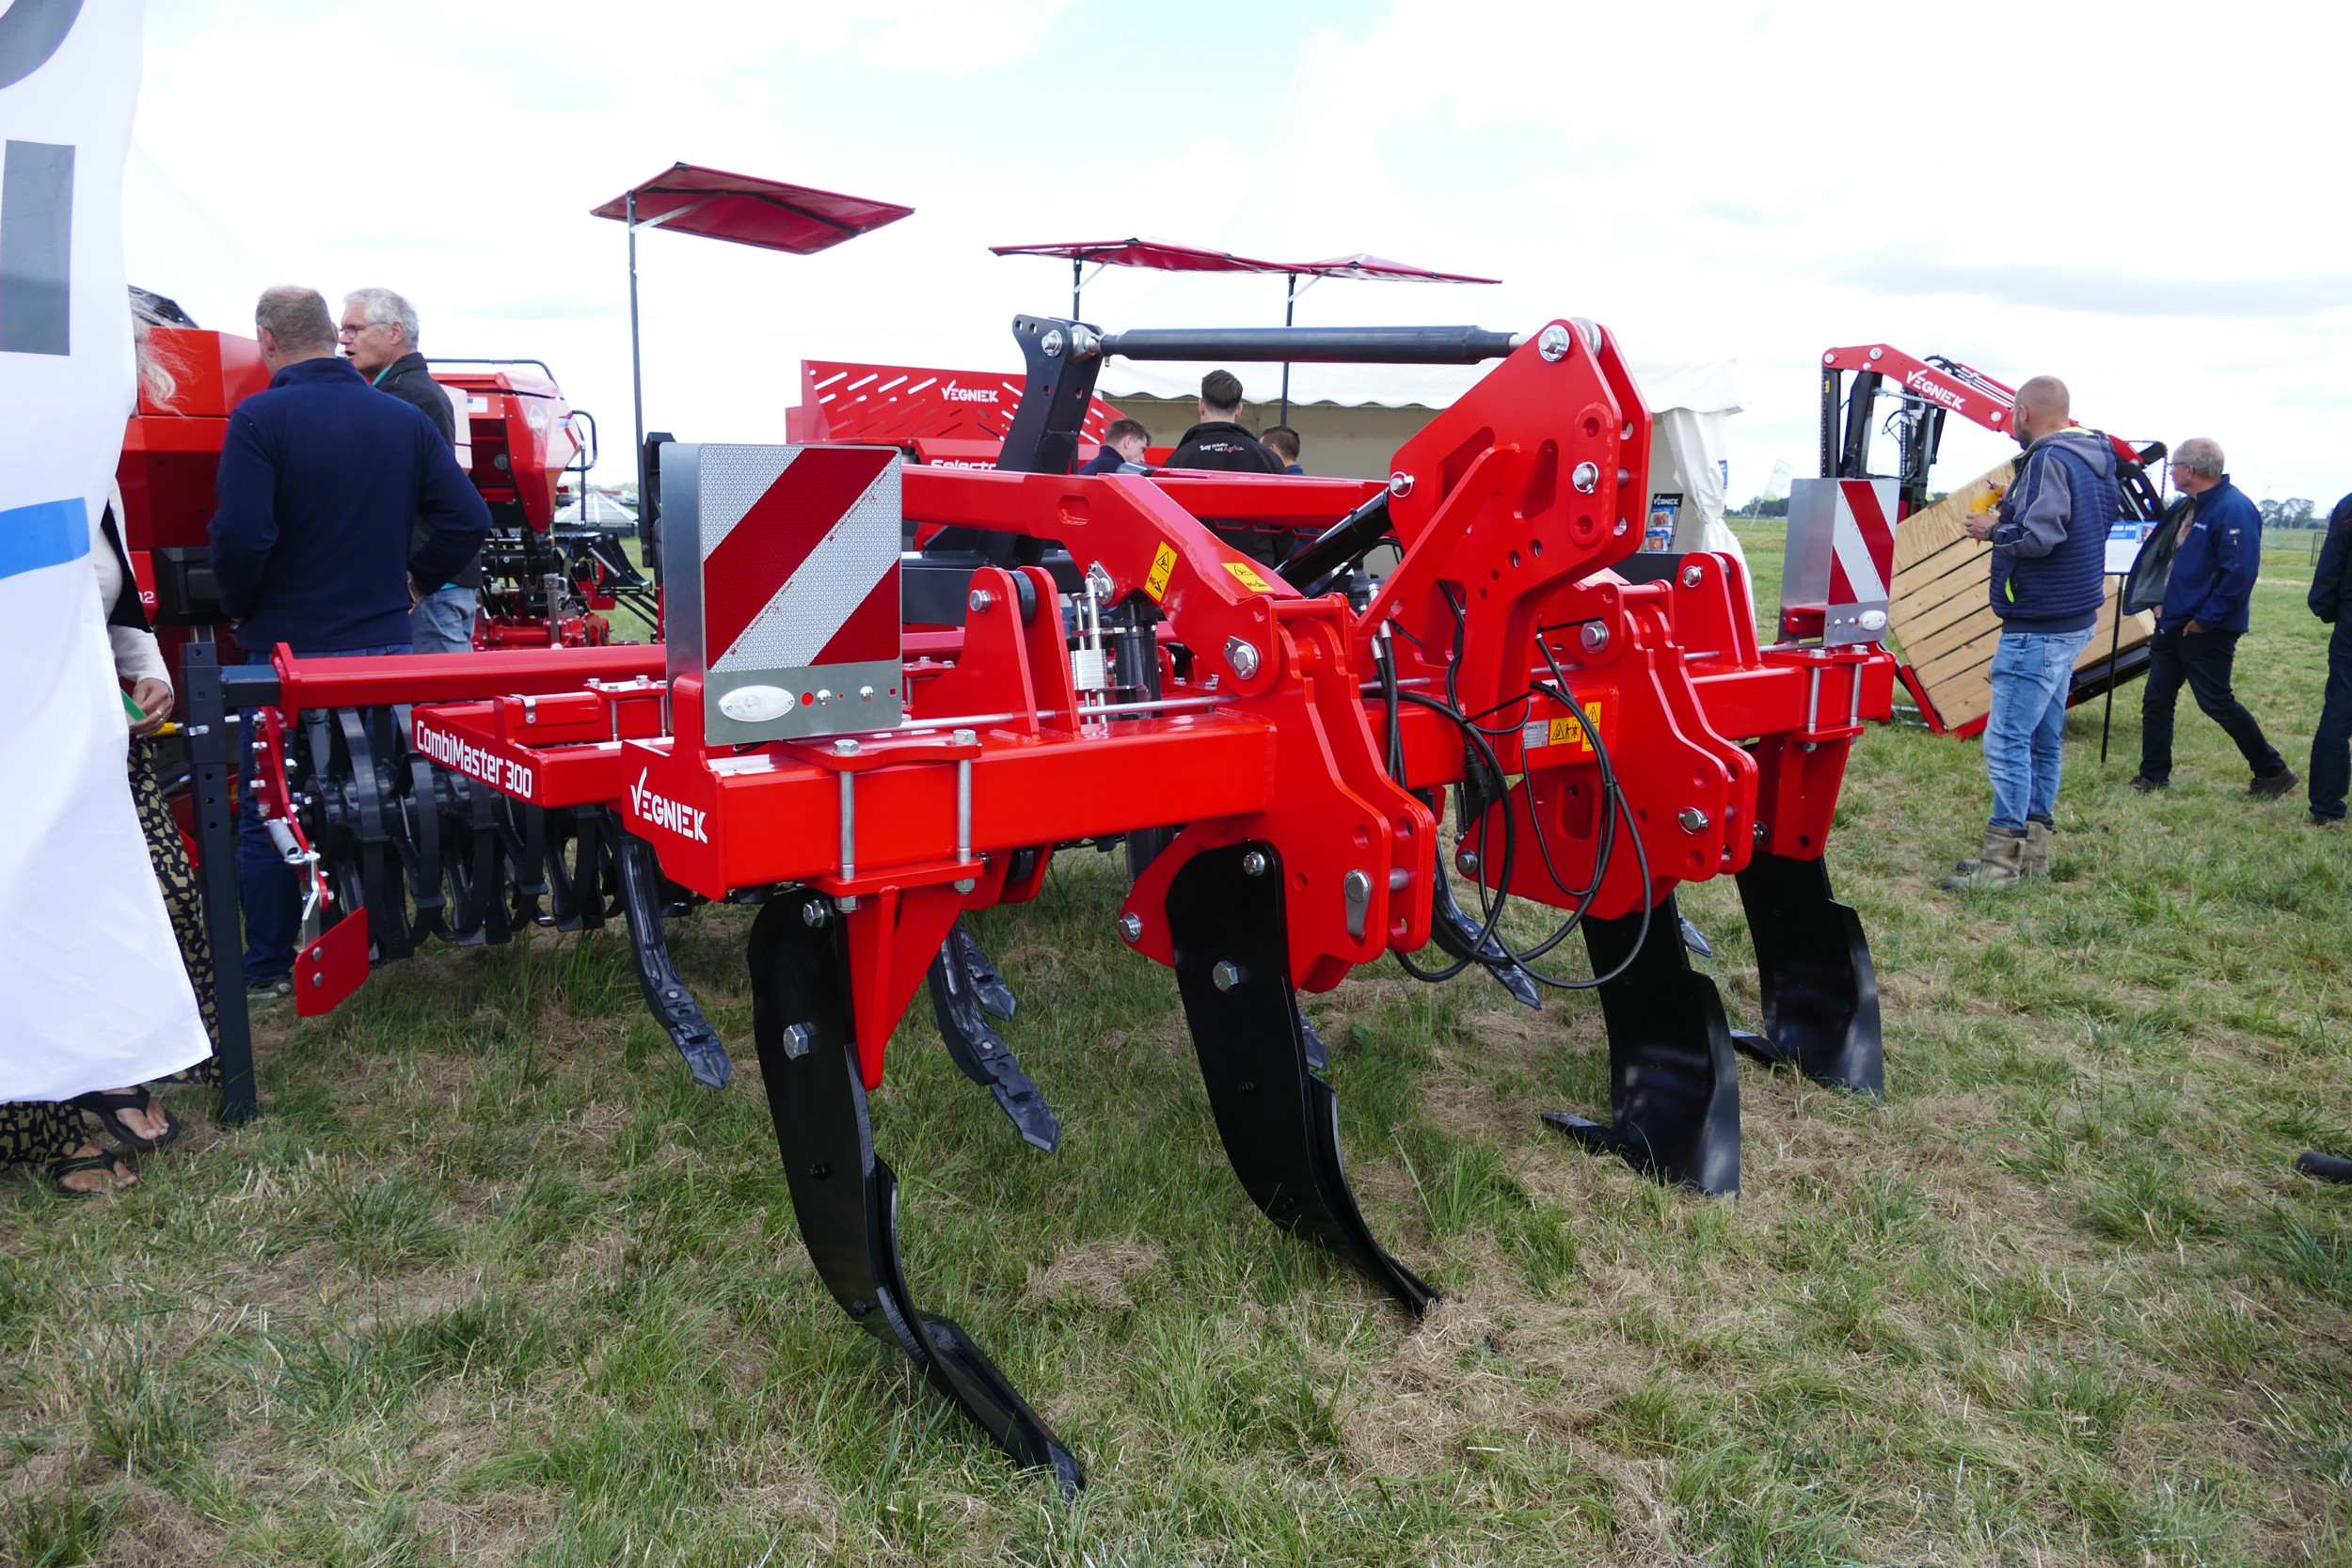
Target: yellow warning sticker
[[1162, 563], [1246, 577], [1567, 732]]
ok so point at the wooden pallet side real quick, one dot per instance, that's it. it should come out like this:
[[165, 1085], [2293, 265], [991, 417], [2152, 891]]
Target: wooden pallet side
[[1941, 615]]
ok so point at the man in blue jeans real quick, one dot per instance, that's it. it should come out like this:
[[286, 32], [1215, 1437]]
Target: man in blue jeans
[[321, 479], [2216, 555], [2049, 539], [2330, 599]]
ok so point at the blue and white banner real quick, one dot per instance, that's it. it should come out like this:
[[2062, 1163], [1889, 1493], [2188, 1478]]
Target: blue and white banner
[[93, 994]]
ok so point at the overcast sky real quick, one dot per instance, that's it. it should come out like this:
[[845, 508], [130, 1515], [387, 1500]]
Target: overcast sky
[[2144, 199]]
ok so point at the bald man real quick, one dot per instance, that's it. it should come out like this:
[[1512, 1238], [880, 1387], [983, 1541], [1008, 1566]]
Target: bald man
[[2049, 538]]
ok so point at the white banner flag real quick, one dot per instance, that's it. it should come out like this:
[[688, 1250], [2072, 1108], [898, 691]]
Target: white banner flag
[[93, 994]]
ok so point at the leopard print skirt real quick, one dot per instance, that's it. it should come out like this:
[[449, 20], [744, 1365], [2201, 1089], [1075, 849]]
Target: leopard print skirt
[[35, 1131]]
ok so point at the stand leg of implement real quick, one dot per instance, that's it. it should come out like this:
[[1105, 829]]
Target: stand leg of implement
[[673, 1006], [216, 845], [961, 1008], [846, 1198], [1813, 964], [1280, 1122], [1673, 1086]]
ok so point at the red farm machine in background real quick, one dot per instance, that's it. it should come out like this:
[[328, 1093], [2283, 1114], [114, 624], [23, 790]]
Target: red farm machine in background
[[940, 418], [1096, 665], [1938, 608]]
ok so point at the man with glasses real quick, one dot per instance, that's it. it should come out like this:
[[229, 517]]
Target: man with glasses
[[2217, 550], [379, 337], [2049, 538]]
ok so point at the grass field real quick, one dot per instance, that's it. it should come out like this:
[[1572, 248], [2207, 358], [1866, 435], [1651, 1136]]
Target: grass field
[[492, 1281]]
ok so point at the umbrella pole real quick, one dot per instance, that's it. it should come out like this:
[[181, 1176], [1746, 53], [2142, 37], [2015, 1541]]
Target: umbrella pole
[[2114, 649], [1290, 303], [1074, 265], [636, 371]]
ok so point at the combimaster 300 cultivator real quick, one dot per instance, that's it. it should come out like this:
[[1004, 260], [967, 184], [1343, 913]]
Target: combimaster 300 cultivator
[[867, 741]]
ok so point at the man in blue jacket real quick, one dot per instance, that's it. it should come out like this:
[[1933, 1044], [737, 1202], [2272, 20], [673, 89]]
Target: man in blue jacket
[[2331, 601], [2219, 554], [2049, 539], [320, 480]]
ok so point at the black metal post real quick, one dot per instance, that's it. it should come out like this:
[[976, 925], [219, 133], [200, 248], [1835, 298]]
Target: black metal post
[[1077, 264], [212, 763], [1290, 304], [2113, 648]]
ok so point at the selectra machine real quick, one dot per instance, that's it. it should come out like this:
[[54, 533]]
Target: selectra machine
[[867, 741]]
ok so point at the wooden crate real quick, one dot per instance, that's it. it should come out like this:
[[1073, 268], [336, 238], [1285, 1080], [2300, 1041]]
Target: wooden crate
[[1942, 617]]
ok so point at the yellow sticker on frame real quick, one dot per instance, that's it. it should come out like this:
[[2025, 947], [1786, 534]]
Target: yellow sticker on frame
[[1569, 732], [1247, 577], [1163, 564]]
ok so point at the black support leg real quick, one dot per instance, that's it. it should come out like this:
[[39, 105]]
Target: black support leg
[[673, 1007], [1280, 1122], [1456, 936], [996, 998], [211, 764], [961, 1008], [1813, 965], [846, 1198], [1673, 1086]]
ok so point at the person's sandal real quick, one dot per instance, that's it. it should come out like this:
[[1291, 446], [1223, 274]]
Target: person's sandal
[[110, 1161], [105, 1106]]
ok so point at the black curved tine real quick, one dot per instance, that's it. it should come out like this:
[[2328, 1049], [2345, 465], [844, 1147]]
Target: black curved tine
[[996, 998], [846, 1198], [671, 1004], [1456, 935], [384, 890], [1820, 991], [1673, 1086], [981, 1052], [1278, 1121]]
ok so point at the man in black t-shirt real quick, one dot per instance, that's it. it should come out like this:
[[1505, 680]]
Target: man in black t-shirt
[[1220, 443]]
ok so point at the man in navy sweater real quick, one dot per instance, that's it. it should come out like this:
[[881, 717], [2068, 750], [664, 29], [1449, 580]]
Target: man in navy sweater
[[2049, 542], [321, 479], [2203, 614], [2330, 599]]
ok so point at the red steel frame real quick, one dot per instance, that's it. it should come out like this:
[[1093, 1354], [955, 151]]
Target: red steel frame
[[1511, 507]]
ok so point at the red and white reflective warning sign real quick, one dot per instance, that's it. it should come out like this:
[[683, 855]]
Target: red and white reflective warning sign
[[780, 568], [1841, 557]]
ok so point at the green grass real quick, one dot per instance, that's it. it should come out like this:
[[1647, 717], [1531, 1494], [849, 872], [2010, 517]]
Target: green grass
[[493, 1281]]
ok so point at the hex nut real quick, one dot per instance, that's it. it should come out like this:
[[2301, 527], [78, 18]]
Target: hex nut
[[1254, 863], [1130, 925], [1225, 974]]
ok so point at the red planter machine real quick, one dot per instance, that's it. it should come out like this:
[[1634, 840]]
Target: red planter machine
[[1099, 663]]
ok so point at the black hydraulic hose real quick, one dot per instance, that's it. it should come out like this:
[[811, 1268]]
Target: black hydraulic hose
[[1341, 545], [1312, 345]]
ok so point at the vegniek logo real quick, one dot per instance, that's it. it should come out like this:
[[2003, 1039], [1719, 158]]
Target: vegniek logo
[[682, 819], [1919, 381], [954, 393]]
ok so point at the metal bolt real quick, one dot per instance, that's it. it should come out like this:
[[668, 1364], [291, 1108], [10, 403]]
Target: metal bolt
[[965, 884], [1099, 578], [812, 914], [823, 695], [1552, 343], [1130, 925], [1763, 831], [980, 600], [1594, 636], [1692, 819], [865, 694], [1053, 345], [845, 747], [797, 1039], [1466, 861], [1619, 529], [1225, 974], [1254, 863], [1242, 656], [847, 904], [1694, 575], [1400, 485], [966, 738], [1878, 353], [1399, 878], [1586, 477]]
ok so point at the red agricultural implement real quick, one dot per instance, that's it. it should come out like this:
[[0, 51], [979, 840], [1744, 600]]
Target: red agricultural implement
[[1923, 394], [1603, 726]]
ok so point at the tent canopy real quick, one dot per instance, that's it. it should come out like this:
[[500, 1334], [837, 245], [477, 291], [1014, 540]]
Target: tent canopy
[[766, 214], [1167, 256]]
